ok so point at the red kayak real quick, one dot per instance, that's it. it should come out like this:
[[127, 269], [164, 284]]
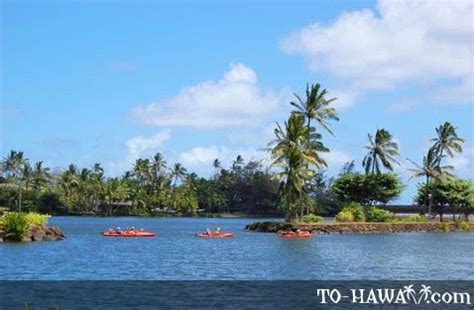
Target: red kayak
[[128, 234], [295, 236], [214, 235]]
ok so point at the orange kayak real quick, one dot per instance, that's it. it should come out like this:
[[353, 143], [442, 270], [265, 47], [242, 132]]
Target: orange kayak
[[213, 235], [296, 236], [128, 234]]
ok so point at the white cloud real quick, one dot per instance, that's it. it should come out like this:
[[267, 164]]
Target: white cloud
[[336, 159], [235, 100], [463, 163], [143, 146], [402, 41]]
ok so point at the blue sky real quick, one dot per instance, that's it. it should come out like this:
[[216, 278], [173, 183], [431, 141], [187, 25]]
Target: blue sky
[[107, 81]]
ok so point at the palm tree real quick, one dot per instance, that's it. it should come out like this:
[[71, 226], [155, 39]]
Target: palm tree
[[158, 166], [115, 191], [217, 165], [13, 165], [316, 107], [382, 151], [430, 169], [447, 141], [40, 177], [293, 154], [27, 175], [178, 173], [141, 170]]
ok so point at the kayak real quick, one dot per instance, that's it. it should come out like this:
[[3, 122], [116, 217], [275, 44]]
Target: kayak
[[221, 235], [295, 236], [128, 234]]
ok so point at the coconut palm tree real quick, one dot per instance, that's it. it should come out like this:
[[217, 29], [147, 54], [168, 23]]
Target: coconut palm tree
[[178, 173], [447, 141], [27, 175], [40, 177], [158, 166], [115, 191], [141, 169], [382, 152], [316, 107], [293, 155], [13, 165], [429, 169]]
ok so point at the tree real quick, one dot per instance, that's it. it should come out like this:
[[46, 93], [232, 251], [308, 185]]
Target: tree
[[448, 191], [430, 169], [293, 154], [382, 151], [316, 107], [13, 165], [446, 142], [40, 177], [367, 189], [178, 173]]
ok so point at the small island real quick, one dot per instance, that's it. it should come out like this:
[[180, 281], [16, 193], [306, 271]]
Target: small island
[[27, 227]]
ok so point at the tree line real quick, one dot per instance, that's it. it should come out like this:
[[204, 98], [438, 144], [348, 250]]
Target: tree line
[[295, 183]]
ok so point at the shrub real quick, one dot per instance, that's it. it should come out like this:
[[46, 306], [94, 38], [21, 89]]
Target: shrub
[[357, 211], [14, 224], [345, 216], [34, 218], [445, 227], [378, 215], [416, 218], [462, 226], [312, 218]]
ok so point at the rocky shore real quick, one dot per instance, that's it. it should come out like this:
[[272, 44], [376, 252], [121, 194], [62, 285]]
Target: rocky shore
[[357, 228], [38, 233]]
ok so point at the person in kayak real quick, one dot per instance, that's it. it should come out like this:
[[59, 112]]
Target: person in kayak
[[208, 231], [218, 231], [118, 230]]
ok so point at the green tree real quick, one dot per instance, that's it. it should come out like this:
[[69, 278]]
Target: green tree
[[382, 152], [14, 165], [446, 142], [293, 154], [316, 107], [429, 169], [40, 177], [367, 189], [448, 191], [178, 173]]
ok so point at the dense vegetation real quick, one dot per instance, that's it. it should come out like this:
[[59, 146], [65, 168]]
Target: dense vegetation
[[295, 184]]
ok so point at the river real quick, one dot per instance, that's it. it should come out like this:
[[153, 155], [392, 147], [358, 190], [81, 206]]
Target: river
[[176, 254]]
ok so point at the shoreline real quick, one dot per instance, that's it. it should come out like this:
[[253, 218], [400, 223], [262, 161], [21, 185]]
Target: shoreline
[[359, 228]]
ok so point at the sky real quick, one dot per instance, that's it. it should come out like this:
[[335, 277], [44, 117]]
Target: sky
[[111, 81]]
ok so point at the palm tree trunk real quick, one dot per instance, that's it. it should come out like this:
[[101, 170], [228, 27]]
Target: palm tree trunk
[[19, 197]]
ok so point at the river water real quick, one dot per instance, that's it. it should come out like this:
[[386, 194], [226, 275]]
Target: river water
[[176, 254]]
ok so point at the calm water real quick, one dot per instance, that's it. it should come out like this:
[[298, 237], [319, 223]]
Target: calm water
[[176, 254]]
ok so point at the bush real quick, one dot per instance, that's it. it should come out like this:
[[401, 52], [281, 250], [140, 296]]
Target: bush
[[378, 215], [312, 218], [14, 224], [356, 211], [445, 227], [462, 226], [345, 216], [416, 218], [34, 218]]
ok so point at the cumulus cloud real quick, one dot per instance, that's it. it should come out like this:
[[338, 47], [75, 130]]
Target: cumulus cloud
[[336, 159], [143, 146], [402, 41], [463, 163], [235, 100]]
